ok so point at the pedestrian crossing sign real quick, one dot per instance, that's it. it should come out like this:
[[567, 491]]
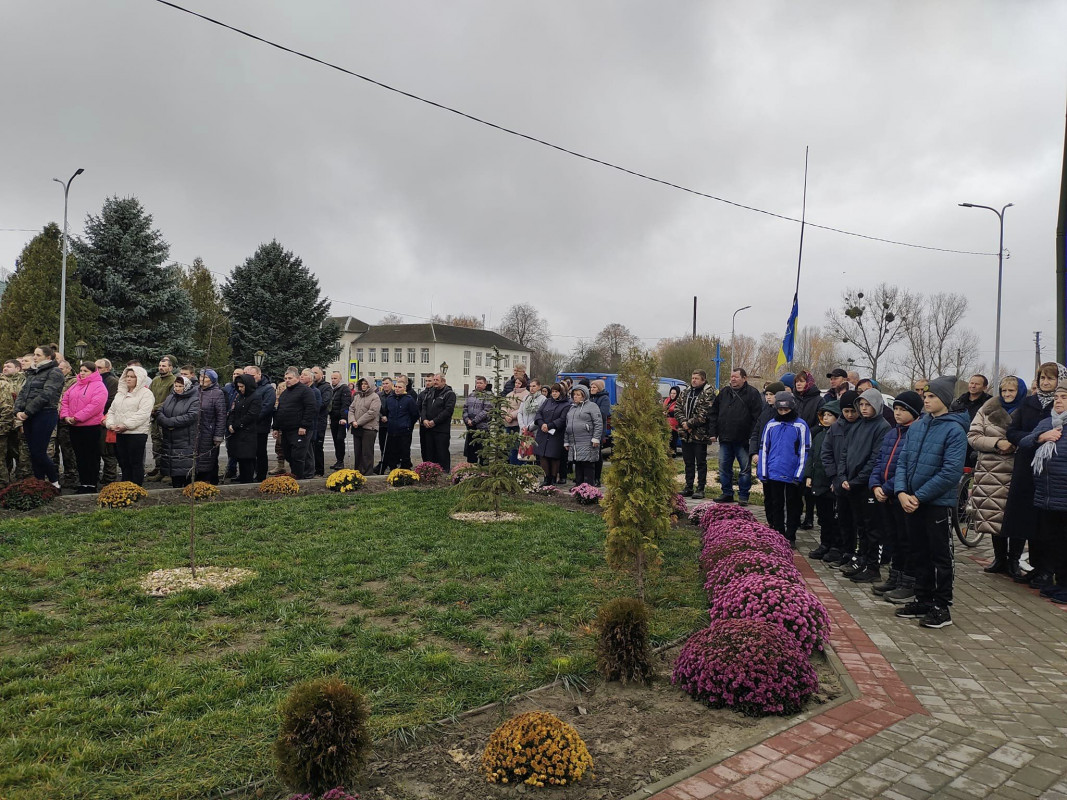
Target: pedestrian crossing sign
[[353, 370]]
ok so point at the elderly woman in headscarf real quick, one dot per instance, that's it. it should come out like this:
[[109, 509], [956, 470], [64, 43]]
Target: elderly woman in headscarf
[[1020, 515], [212, 426], [584, 430], [177, 423], [992, 474]]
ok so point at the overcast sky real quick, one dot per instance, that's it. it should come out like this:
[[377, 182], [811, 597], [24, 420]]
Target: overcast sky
[[908, 108]]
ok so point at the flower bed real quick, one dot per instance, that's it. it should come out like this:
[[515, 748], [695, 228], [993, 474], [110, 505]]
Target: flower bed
[[748, 562], [402, 477], [120, 494], [429, 472], [750, 665], [712, 512], [586, 494], [280, 486], [720, 542], [776, 600], [345, 480], [27, 494]]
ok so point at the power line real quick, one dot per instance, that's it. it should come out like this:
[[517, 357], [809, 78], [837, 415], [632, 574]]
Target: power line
[[544, 143]]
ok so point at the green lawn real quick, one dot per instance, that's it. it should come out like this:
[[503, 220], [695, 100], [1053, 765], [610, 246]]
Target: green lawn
[[106, 693]]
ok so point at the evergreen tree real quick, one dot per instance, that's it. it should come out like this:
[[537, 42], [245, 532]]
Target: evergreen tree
[[29, 307], [143, 310], [275, 306], [640, 486], [212, 332]]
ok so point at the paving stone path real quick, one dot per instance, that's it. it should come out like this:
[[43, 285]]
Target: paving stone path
[[978, 709]]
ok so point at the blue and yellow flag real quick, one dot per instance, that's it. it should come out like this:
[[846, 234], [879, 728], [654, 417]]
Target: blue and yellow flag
[[785, 353]]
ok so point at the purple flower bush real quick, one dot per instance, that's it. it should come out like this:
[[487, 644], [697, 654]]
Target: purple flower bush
[[749, 665], [727, 538], [429, 472], [587, 495], [678, 506], [544, 490], [776, 600], [748, 562], [712, 513]]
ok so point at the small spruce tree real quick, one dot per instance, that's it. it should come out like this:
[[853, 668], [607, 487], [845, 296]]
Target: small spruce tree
[[487, 482], [640, 485]]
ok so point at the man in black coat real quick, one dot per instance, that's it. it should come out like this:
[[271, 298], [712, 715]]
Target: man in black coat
[[340, 402], [734, 417], [972, 401], [294, 420], [322, 422], [436, 420], [264, 396]]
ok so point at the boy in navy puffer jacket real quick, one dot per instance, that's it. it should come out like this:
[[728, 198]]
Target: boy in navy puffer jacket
[[783, 454], [929, 469]]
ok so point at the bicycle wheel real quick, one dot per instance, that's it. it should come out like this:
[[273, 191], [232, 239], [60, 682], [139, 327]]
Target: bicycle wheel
[[963, 514]]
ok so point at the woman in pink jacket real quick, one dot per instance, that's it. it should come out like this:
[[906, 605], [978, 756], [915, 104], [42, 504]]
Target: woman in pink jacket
[[82, 408]]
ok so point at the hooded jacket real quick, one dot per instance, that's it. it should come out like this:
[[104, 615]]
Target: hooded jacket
[[931, 462], [365, 410], [863, 442], [993, 470], [735, 414], [820, 482], [42, 390], [552, 413], [784, 447], [85, 400], [885, 466], [212, 424], [177, 424], [243, 418], [584, 426], [833, 447], [132, 410]]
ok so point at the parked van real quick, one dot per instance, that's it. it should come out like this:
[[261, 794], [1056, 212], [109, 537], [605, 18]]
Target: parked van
[[612, 386]]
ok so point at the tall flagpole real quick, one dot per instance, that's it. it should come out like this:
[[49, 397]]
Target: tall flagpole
[[803, 213]]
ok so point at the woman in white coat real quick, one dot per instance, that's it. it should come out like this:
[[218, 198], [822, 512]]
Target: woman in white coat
[[129, 420]]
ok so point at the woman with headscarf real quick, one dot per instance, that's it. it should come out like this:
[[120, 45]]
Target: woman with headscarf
[[1020, 515], [364, 414], [36, 409], [598, 395], [241, 424], [177, 423], [212, 428], [670, 409], [516, 397], [992, 473], [527, 416], [549, 425], [130, 419], [82, 408], [585, 428]]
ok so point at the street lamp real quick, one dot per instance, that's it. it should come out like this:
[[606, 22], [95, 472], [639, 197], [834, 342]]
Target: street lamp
[[1000, 279], [733, 322], [259, 357], [80, 349], [63, 280]]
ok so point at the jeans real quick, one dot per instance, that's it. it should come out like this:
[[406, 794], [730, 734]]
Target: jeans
[[38, 430], [729, 452], [930, 534], [695, 456]]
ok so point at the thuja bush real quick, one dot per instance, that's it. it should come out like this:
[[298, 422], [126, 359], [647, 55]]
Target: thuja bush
[[749, 665], [536, 748], [623, 652], [748, 536], [27, 494], [776, 600], [748, 562], [324, 741]]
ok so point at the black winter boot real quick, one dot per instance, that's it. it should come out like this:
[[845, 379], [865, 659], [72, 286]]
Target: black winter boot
[[890, 583]]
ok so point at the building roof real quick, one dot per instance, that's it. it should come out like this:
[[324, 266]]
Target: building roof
[[442, 334], [350, 324]]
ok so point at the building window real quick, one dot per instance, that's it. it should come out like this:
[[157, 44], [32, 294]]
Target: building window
[[466, 362], [411, 376], [478, 359], [385, 355], [507, 362], [372, 355], [372, 375], [359, 354], [425, 351], [398, 354], [411, 355]]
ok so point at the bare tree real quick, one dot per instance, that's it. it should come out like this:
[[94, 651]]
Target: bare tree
[[938, 344], [744, 354], [615, 340], [459, 320], [872, 323], [816, 350], [587, 357], [547, 364], [764, 363], [391, 319], [677, 358], [523, 324]]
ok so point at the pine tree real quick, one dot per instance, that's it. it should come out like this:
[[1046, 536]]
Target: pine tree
[[144, 312], [275, 306], [640, 486], [212, 333], [29, 307]]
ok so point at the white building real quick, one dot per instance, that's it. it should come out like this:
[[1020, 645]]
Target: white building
[[418, 351]]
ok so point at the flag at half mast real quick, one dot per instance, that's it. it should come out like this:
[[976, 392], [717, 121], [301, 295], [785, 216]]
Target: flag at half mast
[[785, 352]]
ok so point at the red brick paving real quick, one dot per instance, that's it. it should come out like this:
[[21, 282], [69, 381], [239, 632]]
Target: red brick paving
[[764, 768]]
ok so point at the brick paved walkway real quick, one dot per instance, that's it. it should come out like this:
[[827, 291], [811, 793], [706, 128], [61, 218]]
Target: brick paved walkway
[[978, 709]]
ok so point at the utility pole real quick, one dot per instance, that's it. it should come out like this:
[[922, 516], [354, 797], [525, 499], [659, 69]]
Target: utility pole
[[1037, 351], [694, 316]]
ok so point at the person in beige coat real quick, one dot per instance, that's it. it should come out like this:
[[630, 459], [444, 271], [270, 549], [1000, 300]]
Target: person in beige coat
[[130, 419], [364, 417], [992, 474]]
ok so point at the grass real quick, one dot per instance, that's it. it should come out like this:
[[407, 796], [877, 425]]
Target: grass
[[106, 693]]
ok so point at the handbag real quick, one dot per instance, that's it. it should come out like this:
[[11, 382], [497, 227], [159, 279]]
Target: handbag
[[111, 437]]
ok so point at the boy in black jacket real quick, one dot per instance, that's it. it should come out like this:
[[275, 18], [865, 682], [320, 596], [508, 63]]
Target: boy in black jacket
[[863, 442], [816, 479], [832, 448]]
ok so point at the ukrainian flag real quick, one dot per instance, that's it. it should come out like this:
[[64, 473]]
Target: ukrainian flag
[[785, 353]]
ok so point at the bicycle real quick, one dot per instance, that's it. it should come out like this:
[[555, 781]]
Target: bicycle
[[963, 515]]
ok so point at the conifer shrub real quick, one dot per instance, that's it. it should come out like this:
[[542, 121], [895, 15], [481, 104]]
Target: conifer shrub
[[750, 665], [748, 562], [324, 741], [27, 494], [537, 749], [623, 652], [769, 598]]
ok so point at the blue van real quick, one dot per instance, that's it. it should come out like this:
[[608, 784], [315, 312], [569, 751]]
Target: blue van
[[611, 383]]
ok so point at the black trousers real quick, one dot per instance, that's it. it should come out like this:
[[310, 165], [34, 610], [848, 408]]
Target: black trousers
[[810, 505], [397, 451], [845, 527], [868, 546], [583, 472], [339, 433], [826, 509], [129, 449], [318, 448], [436, 439], [472, 449], [1053, 527], [246, 470], [782, 503], [86, 442], [261, 454], [38, 431], [930, 535], [1008, 547], [889, 524], [695, 457], [295, 452], [425, 444]]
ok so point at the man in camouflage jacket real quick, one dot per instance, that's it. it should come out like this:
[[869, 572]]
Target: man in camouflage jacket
[[692, 412]]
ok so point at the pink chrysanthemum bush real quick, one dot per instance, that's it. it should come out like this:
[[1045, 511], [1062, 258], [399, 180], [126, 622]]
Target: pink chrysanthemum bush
[[429, 473], [678, 506], [749, 665], [712, 513], [748, 562], [776, 600], [736, 537]]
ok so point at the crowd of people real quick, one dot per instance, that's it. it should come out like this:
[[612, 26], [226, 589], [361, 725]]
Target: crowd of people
[[883, 480]]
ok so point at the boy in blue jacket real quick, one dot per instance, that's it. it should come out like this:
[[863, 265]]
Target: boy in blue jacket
[[783, 454], [928, 473], [888, 515]]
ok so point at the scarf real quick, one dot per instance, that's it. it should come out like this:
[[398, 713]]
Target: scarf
[[1019, 396], [1048, 449], [1046, 397]]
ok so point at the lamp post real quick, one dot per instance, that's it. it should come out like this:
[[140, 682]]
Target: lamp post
[[63, 279], [258, 358], [80, 350], [1000, 279], [733, 324]]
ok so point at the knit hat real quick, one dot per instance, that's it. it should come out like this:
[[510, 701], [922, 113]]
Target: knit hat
[[911, 402], [943, 388], [790, 380], [786, 400], [776, 386], [832, 406]]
